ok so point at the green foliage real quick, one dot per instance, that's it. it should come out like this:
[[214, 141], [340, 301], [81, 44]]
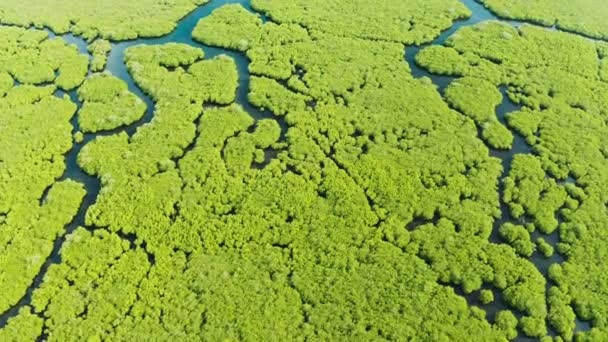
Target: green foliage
[[558, 80], [23, 327], [478, 99], [6, 83], [561, 314], [528, 191], [30, 231], [35, 208], [351, 216], [269, 94], [409, 22], [588, 17], [470, 262], [99, 49], [518, 237], [110, 19], [507, 322], [474, 97], [159, 70], [31, 58], [595, 334], [502, 54], [316, 227], [98, 261], [497, 135], [78, 137], [231, 26], [604, 70], [142, 166], [486, 296], [533, 326], [322, 66], [107, 104], [240, 151], [35, 133], [200, 202], [544, 247]]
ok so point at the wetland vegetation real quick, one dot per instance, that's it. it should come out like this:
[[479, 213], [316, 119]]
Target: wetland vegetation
[[289, 170], [587, 17]]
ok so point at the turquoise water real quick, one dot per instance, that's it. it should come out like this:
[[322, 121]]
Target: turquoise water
[[182, 34]]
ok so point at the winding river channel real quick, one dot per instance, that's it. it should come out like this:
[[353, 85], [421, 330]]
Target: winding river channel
[[183, 34]]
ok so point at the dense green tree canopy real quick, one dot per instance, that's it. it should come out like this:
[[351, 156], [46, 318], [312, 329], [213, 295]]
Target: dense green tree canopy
[[30, 57], [112, 19], [556, 77], [299, 205], [35, 133], [338, 197], [37, 200], [398, 21], [589, 17], [478, 99], [107, 103], [99, 49]]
